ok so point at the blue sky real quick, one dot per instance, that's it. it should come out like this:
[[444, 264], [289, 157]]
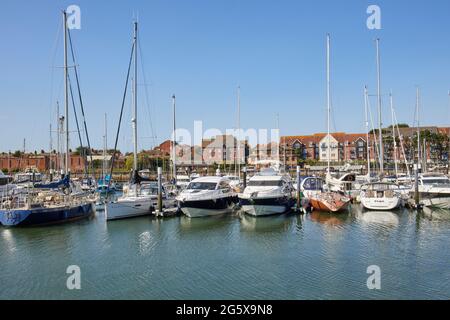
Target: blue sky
[[201, 50]]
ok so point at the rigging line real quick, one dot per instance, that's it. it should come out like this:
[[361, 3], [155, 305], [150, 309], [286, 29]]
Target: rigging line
[[121, 112], [79, 97], [376, 151], [52, 64], [83, 152], [402, 145], [147, 100]]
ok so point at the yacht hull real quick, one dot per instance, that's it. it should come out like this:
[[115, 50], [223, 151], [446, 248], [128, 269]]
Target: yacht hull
[[266, 207], [43, 216], [329, 202], [204, 208], [381, 204], [128, 208]]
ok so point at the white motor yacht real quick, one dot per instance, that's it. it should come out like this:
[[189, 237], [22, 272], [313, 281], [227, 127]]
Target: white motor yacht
[[267, 193], [207, 196], [434, 190]]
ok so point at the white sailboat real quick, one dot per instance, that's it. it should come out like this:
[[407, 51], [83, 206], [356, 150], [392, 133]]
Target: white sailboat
[[139, 198], [377, 195]]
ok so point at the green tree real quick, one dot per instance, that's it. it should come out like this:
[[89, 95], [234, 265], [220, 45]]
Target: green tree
[[17, 153]]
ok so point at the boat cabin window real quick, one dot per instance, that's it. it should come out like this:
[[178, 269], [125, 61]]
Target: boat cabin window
[[435, 181], [382, 186], [4, 181], [202, 186], [265, 183], [313, 184], [150, 189]]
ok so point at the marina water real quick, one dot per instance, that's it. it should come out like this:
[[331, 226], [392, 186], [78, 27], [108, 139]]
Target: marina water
[[315, 256]]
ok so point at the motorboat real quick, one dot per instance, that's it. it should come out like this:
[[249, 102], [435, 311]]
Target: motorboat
[[207, 196], [267, 193], [434, 190]]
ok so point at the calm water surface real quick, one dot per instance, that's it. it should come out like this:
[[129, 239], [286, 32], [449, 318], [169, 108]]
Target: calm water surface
[[316, 256]]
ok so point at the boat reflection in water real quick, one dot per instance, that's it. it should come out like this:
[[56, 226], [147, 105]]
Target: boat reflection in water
[[329, 219], [204, 224], [432, 214], [272, 223], [387, 218]]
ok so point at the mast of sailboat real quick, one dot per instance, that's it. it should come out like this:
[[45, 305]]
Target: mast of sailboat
[[239, 131], [380, 124], [105, 144], [366, 97], [416, 181], [58, 142], [418, 128], [402, 147], [66, 96], [174, 141], [284, 142], [50, 151], [328, 105], [134, 120], [391, 100]]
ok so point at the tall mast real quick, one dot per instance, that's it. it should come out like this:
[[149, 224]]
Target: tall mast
[[380, 124], [366, 97], [58, 142], [328, 104], [418, 128], [174, 141], [134, 120], [50, 147], [393, 133], [104, 152], [239, 131], [66, 95]]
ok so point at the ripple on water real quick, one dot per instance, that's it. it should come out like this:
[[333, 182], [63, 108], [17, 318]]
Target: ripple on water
[[316, 256]]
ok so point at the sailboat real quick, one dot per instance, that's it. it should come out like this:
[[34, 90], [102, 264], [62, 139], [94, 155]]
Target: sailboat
[[104, 185], [380, 195], [331, 201], [140, 195], [54, 202]]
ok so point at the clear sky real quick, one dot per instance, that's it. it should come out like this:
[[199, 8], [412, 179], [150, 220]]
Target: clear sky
[[201, 50]]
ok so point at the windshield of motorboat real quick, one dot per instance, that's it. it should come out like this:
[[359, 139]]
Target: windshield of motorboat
[[436, 181], [265, 183], [202, 186]]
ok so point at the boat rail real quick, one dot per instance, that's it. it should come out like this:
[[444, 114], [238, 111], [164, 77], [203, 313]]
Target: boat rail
[[43, 199]]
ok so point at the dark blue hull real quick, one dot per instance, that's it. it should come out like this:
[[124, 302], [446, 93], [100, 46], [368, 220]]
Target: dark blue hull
[[42, 216]]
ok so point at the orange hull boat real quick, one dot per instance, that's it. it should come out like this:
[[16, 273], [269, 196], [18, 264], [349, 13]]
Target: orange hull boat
[[330, 201]]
